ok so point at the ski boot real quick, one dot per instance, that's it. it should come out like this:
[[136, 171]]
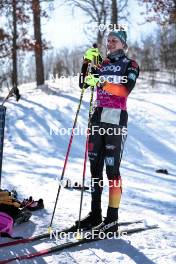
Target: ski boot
[[32, 205], [90, 221], [110, 223], [22, 216]]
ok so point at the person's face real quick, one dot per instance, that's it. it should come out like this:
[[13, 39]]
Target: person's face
[[113, 44]]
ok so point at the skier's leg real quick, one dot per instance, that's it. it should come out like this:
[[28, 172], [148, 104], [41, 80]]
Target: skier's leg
[[113, 152], [114, 145], [96, 157]]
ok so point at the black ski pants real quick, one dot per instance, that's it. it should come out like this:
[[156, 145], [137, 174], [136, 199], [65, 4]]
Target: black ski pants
[[106, 143]]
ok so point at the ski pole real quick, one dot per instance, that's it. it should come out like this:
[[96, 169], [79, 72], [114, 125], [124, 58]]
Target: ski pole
[[67, 154], [85, 155], [69, 147], [95, 62]]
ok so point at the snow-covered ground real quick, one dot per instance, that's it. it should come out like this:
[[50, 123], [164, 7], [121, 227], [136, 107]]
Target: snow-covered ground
[[33, 162]]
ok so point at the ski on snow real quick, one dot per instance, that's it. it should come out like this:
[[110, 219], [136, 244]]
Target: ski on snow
[[47, 235], [75, 243]]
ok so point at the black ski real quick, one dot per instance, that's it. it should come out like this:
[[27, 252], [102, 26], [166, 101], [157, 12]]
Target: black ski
[[75, 243], [47, 235]]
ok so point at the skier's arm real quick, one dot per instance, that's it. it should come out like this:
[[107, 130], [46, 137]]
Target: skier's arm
[[123, 89], [132, 74]]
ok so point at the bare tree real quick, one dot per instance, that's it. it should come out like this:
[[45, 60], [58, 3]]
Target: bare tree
[[162, 11], [118, 11], [102, 12], [67, 62], [167, 49], [14, 45], [4, 40], [114, 12], [64, 62], [38, 47], [14, 38], [96, 11], [13, 34]]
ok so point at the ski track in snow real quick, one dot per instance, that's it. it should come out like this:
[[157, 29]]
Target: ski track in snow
[[33, 161]]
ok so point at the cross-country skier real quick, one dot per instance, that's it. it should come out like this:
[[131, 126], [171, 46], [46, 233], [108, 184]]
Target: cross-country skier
[[114, 79]]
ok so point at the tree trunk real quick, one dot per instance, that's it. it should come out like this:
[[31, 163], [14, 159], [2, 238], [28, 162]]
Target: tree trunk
[[38, 42], [100, 39], [114, 12], [14, 47]]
